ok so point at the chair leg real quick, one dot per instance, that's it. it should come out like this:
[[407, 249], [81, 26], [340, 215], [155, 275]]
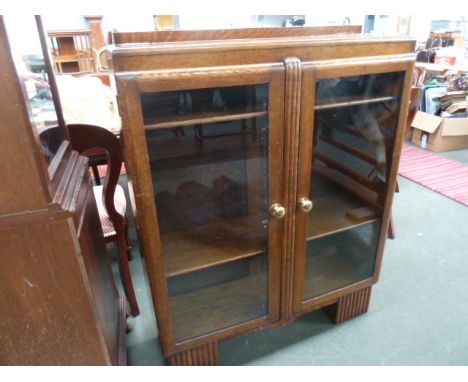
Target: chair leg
[[391, 229], [199, 134], [97, 178], [128, 243], [126, 276]]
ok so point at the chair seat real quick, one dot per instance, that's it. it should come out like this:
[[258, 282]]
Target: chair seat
[[120, 206]]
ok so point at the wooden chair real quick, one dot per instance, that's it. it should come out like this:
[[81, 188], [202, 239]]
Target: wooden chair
[[101, 59], [100, 158], [92, 140]]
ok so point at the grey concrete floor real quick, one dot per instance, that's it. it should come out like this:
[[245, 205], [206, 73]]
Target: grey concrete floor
[[418, 313]]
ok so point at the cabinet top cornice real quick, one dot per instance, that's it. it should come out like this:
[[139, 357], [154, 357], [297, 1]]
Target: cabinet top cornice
[[175, 47]]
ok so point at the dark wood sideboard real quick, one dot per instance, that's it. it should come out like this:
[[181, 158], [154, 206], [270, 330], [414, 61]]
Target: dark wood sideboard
[[59, 304]]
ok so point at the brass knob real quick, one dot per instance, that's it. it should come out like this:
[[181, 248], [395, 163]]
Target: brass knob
[[277, 210], [305, 204]]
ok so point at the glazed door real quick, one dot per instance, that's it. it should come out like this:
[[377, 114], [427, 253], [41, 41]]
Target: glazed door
[[213, 145], [351, 126]]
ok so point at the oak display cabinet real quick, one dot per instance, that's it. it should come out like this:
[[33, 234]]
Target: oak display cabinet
[[263, 171]]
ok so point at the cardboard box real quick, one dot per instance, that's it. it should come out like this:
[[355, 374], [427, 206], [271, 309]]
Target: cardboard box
[[439, 134]]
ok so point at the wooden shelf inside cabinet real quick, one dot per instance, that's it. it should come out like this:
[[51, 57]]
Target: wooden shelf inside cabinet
[[220, 306], [359, 191], [349, 101], [174, 148], [333, 213], [69, 58], [201, 118], [327, 273], [193, 249]]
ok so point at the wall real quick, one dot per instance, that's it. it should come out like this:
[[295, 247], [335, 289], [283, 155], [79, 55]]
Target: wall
[[230, 21], [322, 19], [23, 27], [23, 39]]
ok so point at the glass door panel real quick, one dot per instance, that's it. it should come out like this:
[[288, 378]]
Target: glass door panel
[[355, 122], [208, 151]]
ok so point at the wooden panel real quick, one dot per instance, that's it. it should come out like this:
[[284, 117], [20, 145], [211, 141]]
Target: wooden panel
[[68, 33], [201, 118], [23, 165], [71, 183], [348, 102], [253, 51], [292, 123], [356, 66], [223, 34], [138, 164], [43, 251], [218, 307], [350, 305], [328, 215], [303, 181], [48, 311], [100, 278], [94, 23], [216, 243], [276, 139], [204, 77], [204, 355], [52, 322]]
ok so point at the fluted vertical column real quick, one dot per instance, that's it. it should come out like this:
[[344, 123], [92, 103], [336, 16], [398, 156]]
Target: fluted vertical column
[[291, 139], [205, 355], [350, 306]]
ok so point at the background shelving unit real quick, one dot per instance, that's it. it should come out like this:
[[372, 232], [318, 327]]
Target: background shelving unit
[[72, 50]]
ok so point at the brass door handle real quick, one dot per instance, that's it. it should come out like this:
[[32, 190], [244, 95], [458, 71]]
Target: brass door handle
[[305, 204], [277, 210]]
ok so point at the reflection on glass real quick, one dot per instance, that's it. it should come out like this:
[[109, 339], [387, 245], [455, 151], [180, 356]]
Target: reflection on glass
[[209, 162], [355, 124], [26, 50], [219, 297]]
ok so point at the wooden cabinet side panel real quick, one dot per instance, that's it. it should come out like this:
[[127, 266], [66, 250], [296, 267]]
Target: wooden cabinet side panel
[[45, 312], [22, 165], [99, 273], [224, 34], [392, 179]]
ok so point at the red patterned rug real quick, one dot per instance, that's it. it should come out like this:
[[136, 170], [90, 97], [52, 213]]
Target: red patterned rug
[[437, 173]]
